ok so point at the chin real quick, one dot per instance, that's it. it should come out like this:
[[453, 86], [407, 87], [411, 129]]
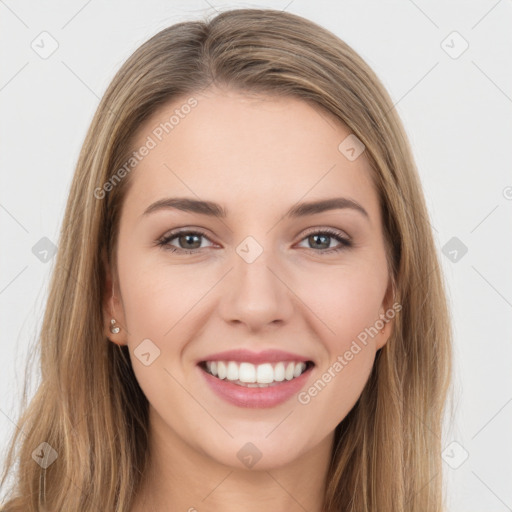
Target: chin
[[257, 453]]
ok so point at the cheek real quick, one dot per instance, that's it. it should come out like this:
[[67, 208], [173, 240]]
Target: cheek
[[349, 305], [346, 300], [155, 296], [156, 301]]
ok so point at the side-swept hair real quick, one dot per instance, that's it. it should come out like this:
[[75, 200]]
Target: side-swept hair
[[89, 406]]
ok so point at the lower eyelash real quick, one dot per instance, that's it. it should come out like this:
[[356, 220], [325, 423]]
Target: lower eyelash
[[163, 242]]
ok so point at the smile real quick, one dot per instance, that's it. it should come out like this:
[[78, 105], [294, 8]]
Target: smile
[[252, 375], [270, 384]]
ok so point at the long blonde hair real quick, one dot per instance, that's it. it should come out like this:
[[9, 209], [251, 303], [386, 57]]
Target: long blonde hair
[[89, 407]]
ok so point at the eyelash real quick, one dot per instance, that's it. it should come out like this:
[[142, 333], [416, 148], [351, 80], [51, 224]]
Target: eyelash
[[164, 241]]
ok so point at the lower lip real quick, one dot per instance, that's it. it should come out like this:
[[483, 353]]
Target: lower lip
[[258, 398]]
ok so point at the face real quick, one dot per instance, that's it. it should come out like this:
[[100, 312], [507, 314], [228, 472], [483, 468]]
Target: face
[[284, 292]]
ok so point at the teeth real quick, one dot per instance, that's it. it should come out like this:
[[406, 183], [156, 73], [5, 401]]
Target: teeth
[[279, 372], [288, 374], [232, 371], [247, 372], [297, 371], [255, 375], [264, 374], [221, 370]]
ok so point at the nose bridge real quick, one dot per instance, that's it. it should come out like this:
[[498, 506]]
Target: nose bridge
[[255, 294], [252, 270]]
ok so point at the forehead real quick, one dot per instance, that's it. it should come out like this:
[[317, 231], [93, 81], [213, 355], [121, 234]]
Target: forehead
[[246, 151]]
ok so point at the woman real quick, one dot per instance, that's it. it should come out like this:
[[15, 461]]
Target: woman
[[247, 309]]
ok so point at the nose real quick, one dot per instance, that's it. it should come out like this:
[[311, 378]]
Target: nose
[[256, 293]]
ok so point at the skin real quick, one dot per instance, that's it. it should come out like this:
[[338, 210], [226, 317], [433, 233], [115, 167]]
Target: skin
[[257, 156]]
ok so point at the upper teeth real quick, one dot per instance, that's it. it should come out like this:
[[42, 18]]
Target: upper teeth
[[262, 373]]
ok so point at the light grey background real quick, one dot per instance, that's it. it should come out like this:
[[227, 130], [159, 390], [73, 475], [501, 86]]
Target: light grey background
[[457, 110]]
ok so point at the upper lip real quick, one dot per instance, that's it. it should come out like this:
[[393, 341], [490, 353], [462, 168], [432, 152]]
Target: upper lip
[[266, 356]]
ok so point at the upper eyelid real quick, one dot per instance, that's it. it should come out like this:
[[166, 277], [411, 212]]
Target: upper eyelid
[[339, 232]]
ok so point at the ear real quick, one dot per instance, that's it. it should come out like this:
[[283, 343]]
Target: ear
[[387, 314], [112, 306]]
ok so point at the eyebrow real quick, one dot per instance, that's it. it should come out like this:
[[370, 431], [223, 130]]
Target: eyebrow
[[213, 209]]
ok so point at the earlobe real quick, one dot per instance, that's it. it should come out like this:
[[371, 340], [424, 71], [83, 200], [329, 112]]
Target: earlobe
[[383, 336], [115, 330], [115, 333], [387, 329], [384, 333], [112, 309]]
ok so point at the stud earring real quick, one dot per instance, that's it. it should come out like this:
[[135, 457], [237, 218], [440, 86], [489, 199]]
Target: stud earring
[[114, 329]]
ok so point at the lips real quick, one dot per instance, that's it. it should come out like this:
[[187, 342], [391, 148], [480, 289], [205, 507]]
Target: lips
[[249, 379]]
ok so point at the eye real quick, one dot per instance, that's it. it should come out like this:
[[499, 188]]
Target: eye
[[190, 239], [323, 238]]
